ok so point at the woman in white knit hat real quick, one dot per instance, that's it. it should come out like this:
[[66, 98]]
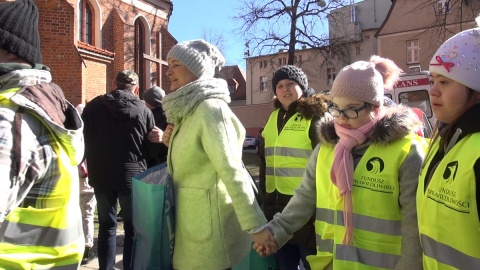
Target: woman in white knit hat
[[361, 179], [214, 200], [448, 196]]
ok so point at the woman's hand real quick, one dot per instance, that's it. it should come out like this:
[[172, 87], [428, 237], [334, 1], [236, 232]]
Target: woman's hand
[[155, 135], [167, 133], [265, 243]]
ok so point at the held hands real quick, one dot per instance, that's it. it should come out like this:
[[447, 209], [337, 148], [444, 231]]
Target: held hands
[[167, 133], [155, 135], [265, 243]]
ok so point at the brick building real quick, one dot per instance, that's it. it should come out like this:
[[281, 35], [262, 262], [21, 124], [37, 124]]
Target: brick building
[[86, 42]]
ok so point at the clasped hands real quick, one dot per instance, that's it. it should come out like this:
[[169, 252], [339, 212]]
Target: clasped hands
[[156, 135], [264, 243]]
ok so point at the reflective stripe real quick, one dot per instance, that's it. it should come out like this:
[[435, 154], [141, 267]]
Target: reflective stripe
[[367, 257], [362, 222], [31, 235], [285, 172], [324, 245], [288, 152], [448, 255]]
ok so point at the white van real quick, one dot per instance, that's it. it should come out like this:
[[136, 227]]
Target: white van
[[412, 90]]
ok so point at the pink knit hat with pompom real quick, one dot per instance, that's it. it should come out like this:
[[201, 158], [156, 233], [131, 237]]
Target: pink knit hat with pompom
[[366, 81]]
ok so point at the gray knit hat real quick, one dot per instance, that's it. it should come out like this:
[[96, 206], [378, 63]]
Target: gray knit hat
[[154, 96], [199, 56], [19, 30], [458, 58], [292, 73]]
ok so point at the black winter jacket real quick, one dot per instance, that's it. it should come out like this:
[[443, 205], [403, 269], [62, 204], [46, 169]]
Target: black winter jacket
[[160, 148], [116, 144]]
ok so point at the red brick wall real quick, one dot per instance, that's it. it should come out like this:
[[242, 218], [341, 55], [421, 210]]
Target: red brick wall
[[56, 32], [168, 41], [94, 75], [83, 79]]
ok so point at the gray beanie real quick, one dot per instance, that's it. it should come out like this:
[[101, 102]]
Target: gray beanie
[[199, 56], [154, 96]]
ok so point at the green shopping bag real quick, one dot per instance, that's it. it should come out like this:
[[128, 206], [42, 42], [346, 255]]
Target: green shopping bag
[[153, 219], [254, 262]]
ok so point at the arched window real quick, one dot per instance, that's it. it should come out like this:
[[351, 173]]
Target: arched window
[[86, 22], [139, 51]]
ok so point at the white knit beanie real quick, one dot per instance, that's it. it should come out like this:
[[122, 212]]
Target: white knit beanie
[[458, 58], [199, 56]]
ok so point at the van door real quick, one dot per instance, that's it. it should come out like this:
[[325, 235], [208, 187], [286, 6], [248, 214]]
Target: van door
[[412, 90]]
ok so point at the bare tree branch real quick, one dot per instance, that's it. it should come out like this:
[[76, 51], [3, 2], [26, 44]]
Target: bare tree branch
[[270, 25]]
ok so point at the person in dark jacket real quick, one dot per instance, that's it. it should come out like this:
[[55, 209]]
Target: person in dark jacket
[[153, 99], [285, 146], [116, 128]]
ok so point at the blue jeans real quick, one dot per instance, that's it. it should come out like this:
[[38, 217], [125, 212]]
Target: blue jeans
[[288, 257], [107, 231]]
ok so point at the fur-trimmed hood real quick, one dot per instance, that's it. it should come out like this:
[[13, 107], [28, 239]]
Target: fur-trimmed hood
[[312, 106], [397, 122]]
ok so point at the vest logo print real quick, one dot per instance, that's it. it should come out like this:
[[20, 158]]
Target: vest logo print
[[375, 165], [375, 183], [450, 172], [298, 118]]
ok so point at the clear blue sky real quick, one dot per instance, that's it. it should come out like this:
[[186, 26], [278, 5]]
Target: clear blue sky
[[194, 19]]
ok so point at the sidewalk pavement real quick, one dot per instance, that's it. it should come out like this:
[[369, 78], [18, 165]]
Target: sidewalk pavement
[[93, 264]]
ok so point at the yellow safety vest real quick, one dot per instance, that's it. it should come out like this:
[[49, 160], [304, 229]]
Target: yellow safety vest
[[447, 209], [49, 236], [287, 153], [376, 212]]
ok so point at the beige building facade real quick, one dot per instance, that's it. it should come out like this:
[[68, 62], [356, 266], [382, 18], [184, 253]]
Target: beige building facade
[[413, 30], [352, 34]]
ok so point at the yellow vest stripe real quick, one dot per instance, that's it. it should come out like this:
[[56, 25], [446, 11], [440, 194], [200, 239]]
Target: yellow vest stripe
[[448, 255], [354, 254], [284, 172], [26, 234], [367, 257], [362, 222], [288, 152]]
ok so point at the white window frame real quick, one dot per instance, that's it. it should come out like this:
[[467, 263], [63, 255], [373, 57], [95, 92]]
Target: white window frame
[[331, 75], [263, 83], [440, 6], [413, 51]]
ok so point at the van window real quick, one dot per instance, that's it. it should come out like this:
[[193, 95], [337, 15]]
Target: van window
[[417, 99]]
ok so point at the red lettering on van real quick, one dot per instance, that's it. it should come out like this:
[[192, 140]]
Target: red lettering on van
[[410, 83]]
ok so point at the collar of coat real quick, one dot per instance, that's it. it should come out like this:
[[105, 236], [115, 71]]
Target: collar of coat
[[310, 107], [397, 122]]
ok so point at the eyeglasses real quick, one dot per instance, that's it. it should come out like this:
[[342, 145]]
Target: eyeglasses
[[348, 113]]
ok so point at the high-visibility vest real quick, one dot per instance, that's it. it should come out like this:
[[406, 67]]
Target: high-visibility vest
[[287, 153], [447, 208], [376, 212], [49, 236]]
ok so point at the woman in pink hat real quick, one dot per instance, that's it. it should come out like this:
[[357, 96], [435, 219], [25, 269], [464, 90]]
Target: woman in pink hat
[[360, 181]]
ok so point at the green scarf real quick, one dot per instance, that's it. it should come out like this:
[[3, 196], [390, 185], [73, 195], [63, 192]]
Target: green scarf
[[183, 102]]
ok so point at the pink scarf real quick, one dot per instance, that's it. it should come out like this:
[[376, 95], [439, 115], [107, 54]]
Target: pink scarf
[[341, 173]]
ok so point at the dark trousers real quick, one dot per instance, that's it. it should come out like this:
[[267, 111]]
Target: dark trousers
[[288, 257], [107, 231]]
